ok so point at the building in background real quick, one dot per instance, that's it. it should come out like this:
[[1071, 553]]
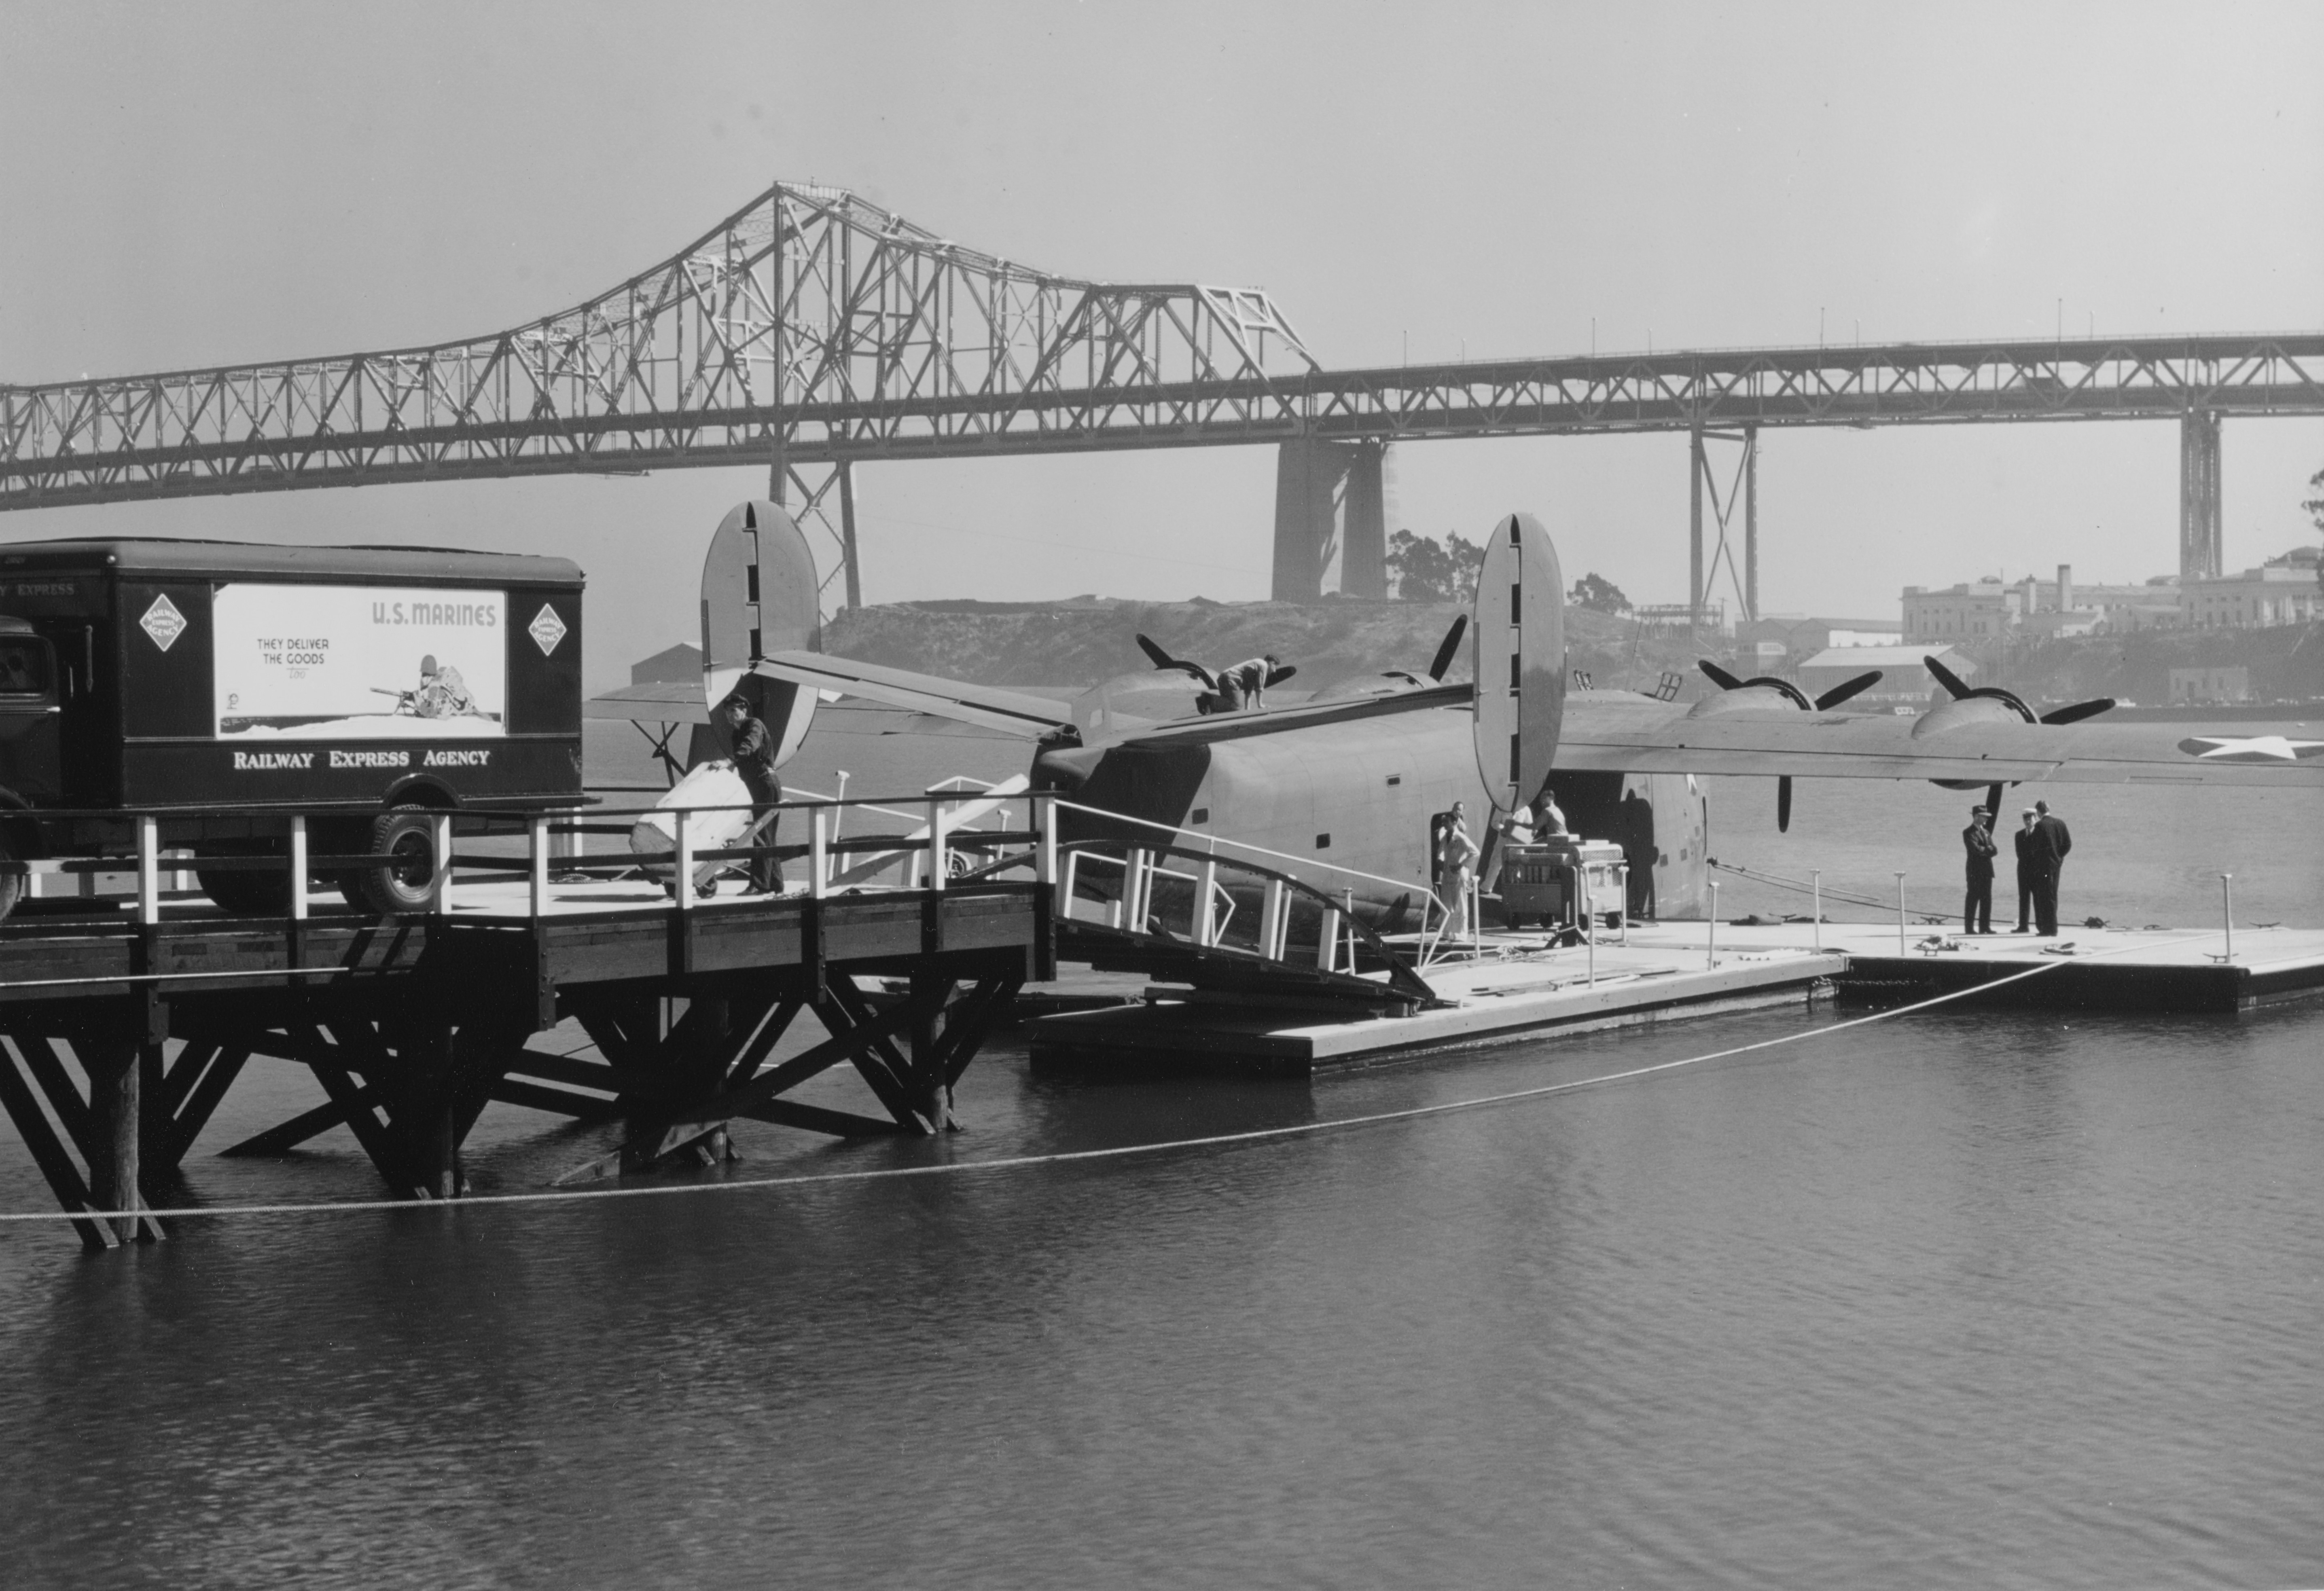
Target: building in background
[[2204, 686], [2281, 591], [1774, 641], [1903, 678]]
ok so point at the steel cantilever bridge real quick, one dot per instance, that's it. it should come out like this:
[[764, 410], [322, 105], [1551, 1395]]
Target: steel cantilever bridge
[[812, 330]]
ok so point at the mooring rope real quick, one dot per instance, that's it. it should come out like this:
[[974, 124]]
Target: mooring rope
[[1066, 1156]]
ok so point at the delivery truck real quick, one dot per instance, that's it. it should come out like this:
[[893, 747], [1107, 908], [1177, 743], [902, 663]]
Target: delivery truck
[[223, 688]]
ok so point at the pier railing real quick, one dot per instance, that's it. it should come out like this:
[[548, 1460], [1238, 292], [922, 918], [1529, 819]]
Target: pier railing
[[1151, 882]]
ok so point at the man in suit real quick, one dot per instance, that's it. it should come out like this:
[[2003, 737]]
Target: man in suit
[[2056, 842], [2029, 868], [1977, 841]]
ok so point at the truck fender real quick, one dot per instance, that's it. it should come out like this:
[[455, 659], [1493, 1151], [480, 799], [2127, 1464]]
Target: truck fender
[[421, 790]]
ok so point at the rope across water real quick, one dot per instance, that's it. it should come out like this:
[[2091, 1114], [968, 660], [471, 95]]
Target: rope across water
[[1060, 1157]]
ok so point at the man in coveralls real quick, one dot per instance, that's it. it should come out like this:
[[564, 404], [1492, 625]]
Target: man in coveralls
[[1245, 684], [1977, 841], [754, 761]]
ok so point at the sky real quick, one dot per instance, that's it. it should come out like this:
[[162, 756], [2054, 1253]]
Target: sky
[[202, 184]]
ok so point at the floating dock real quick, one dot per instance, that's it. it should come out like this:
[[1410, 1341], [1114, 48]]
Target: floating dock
[[1519, 987], [2180, 970]]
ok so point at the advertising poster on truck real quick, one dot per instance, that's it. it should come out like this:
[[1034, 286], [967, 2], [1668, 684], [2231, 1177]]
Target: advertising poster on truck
[[346, 662]]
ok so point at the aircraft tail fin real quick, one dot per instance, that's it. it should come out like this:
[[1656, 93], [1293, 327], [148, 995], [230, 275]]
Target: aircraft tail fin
[[1519, 648], [760, 595]]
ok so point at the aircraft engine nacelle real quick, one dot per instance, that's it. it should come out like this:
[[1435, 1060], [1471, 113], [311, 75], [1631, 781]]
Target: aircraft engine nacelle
[[1519, 650], [1964, 712]]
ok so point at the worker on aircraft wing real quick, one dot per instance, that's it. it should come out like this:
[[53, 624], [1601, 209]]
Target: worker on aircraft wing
[[1245, 684]]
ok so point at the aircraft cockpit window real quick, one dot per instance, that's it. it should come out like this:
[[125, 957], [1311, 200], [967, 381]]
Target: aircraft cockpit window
[[23, 669]]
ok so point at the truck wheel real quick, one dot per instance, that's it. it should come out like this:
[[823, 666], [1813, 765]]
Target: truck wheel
[[249, 892], [12, 883], [400, 888]]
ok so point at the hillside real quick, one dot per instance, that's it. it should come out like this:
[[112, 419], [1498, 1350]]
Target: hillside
[[1082, 642]]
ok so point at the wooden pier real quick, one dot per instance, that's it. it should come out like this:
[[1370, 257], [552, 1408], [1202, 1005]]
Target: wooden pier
[[126, 1023]]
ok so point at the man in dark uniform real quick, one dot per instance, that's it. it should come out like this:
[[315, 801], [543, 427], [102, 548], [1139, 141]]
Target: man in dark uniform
[[754, 761], [1637, 834], [1977, 839], [2055, 842], [2029, 868]]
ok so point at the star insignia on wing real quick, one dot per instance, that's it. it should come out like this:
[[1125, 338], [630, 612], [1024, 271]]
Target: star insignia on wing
[[2250, 749]]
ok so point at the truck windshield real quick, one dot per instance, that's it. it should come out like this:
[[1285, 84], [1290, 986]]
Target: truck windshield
[[23, 666]]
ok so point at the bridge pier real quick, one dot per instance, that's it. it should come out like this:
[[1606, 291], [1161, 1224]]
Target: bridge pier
[[1330, 497], [2200, 552]]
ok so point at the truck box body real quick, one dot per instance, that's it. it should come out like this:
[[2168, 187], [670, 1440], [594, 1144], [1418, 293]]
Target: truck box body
[[191, 674]]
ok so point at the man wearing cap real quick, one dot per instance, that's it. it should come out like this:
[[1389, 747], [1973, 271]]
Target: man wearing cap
[[2029, 869], [1977, 839]]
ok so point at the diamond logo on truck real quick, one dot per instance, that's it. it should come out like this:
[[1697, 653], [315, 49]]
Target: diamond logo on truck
[[546, 629], [163, 622]]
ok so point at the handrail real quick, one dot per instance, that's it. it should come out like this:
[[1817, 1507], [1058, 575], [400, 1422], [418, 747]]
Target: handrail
[[1401, 977], [1400, 885]]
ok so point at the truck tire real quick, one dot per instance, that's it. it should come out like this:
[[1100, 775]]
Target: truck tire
[[256, 892], [401, 888], [12, 882]]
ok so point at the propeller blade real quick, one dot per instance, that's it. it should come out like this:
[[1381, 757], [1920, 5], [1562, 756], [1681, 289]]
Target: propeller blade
[[1276, 677], [1161, 659], [1993, 808], [1783, 805], [1947, 678], [1845, 689], [1719, 676], [2079, 711], [1445, 653]]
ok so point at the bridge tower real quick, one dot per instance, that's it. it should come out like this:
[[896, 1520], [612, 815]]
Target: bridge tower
[[1331, 502], [1742, 491], [2199, 495]]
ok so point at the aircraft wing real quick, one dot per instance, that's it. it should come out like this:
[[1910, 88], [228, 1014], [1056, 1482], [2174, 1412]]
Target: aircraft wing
[[663, 702], [1646, 737], [1012, 712]]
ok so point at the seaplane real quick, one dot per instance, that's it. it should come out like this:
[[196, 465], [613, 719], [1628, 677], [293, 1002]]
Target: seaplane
[[1358, 778]]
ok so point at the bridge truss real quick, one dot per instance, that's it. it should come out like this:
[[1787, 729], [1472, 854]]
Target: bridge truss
[[812, 330]]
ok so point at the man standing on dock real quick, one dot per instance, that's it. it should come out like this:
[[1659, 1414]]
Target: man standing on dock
[[1457, 868], [2029, 868], [1977, 839], [2054, 843]]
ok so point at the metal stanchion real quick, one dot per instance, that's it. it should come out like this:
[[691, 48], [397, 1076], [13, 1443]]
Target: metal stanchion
[[1900, 913], [1710, 941], [297, 868], [2228, 910], [1815, 875]]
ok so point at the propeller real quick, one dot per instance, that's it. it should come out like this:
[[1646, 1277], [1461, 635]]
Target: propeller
[[1845, 689], [1452, 646], [1276, 677], [1792, 694], [1164, 661]]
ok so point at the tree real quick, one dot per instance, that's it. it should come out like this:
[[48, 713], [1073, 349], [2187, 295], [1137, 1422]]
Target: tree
[[1597, 593], [1429, 571]]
